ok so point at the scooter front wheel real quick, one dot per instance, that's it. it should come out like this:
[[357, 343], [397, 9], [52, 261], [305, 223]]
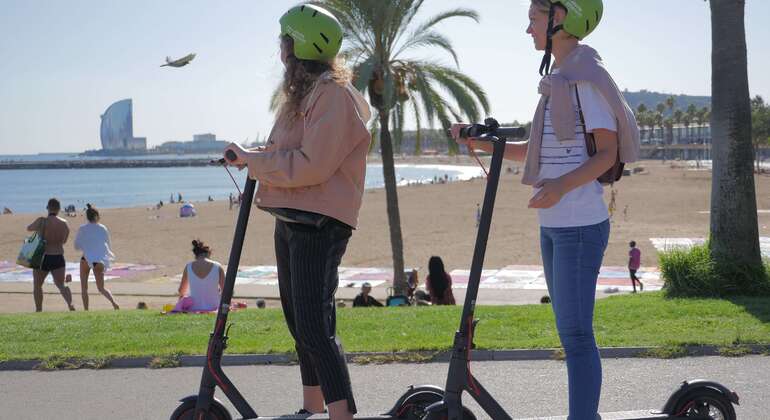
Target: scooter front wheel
[[186, 411], [706, 404]]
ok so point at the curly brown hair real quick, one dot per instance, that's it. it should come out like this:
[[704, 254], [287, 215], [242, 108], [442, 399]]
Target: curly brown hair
[[300, 77]]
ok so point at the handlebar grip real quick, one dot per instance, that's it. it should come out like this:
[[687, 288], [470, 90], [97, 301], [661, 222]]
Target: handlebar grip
[[512, 132]]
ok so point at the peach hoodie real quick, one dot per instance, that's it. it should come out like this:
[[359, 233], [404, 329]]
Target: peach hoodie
[[317, 161]]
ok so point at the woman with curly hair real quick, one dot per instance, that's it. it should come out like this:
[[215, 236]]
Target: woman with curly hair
[[311, 178]]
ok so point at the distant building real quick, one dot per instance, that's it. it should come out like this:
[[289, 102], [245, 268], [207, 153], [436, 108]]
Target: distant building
[[201, 143], [208, 137], [677, 134], [117, 129]]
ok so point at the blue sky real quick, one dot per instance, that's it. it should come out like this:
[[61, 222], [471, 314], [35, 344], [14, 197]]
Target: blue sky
[[62, 63]]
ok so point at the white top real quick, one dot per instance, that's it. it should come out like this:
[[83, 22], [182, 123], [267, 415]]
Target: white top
[[584, 205], [204, 291], [94, 240]]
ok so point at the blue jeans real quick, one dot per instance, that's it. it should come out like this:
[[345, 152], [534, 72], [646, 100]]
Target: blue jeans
[[571, 258]]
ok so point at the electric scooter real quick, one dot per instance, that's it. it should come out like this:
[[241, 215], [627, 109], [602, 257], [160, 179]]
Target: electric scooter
[[697, 399], [204, 406]]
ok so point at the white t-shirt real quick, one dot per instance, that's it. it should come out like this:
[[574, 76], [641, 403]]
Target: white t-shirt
[[584, 205], [94, 240]]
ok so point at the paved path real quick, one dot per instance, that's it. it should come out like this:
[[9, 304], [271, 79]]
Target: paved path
[[525, 388]]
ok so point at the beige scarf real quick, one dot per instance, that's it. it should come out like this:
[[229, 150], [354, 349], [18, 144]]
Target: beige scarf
[[583, 64]]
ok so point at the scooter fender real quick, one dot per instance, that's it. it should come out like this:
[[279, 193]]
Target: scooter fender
[[414, 389], [194, 398], [688, 386]]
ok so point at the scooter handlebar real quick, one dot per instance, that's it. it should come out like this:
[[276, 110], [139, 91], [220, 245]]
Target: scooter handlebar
[[229, 157], [481, 130]]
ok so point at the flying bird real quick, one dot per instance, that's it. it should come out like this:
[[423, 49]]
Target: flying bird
[[179, 62]]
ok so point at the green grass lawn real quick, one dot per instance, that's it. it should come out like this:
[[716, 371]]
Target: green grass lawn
[[632, 320]]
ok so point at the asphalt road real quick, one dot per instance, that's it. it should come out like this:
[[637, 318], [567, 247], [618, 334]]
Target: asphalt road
[[525, 389]]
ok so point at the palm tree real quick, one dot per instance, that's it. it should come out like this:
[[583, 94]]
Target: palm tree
[[660, 108], [641, 115], [734, 238], [691, 113], [668, 124], [700, 120], [671, 104], [678, 114], [379, 36]]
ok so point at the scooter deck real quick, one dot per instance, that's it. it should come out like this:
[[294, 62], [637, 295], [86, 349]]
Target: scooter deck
[[616, 415], [324, 416]]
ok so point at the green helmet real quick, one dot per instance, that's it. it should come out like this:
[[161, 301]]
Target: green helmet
[[317, 34], [583, 16]]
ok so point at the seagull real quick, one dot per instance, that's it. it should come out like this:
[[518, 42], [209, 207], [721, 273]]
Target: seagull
[[180, 62]]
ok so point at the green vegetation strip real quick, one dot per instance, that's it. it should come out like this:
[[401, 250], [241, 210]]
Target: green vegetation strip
[[621, 321]]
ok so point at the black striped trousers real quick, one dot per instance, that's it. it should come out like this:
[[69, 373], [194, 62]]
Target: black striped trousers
[[307, 259]]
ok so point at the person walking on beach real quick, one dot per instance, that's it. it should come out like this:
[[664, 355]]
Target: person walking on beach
[[55, 232], [311, 179], [634, 261], [93, 239], [579, 96]]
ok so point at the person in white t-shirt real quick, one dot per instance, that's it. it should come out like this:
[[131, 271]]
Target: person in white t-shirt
[[93, 239], [574, 220]]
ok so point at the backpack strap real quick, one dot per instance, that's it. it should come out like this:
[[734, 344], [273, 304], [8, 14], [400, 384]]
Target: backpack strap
[[588, 137], [615, 172]]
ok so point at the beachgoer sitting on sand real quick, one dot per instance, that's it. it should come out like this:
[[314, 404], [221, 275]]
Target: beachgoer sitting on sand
[[70, 211], [187, 210], [202, 281], [439, 283], [93, 239], [363, 299]]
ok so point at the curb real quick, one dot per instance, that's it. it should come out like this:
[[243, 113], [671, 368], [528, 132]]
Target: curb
[[378, 357]]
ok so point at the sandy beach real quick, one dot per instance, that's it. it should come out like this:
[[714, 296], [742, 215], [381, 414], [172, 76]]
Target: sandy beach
[[665, 200]]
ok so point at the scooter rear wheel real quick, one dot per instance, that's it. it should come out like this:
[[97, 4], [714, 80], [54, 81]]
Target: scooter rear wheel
[[705, 404], [186, 411], [413, 407]]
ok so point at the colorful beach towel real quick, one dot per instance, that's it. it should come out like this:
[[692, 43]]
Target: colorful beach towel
[[10, 272], [529, 277]]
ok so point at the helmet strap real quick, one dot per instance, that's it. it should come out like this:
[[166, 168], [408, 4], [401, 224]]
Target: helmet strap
[[545, 65]]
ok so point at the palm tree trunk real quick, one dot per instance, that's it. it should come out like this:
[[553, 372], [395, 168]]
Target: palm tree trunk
[[734, 231], [391, 197]]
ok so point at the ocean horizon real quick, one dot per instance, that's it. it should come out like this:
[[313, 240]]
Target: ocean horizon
[[28, 190]]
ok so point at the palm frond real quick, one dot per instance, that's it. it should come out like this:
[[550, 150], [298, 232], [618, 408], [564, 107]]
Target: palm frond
[[468, 13], [459, 93], [429, 39]]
